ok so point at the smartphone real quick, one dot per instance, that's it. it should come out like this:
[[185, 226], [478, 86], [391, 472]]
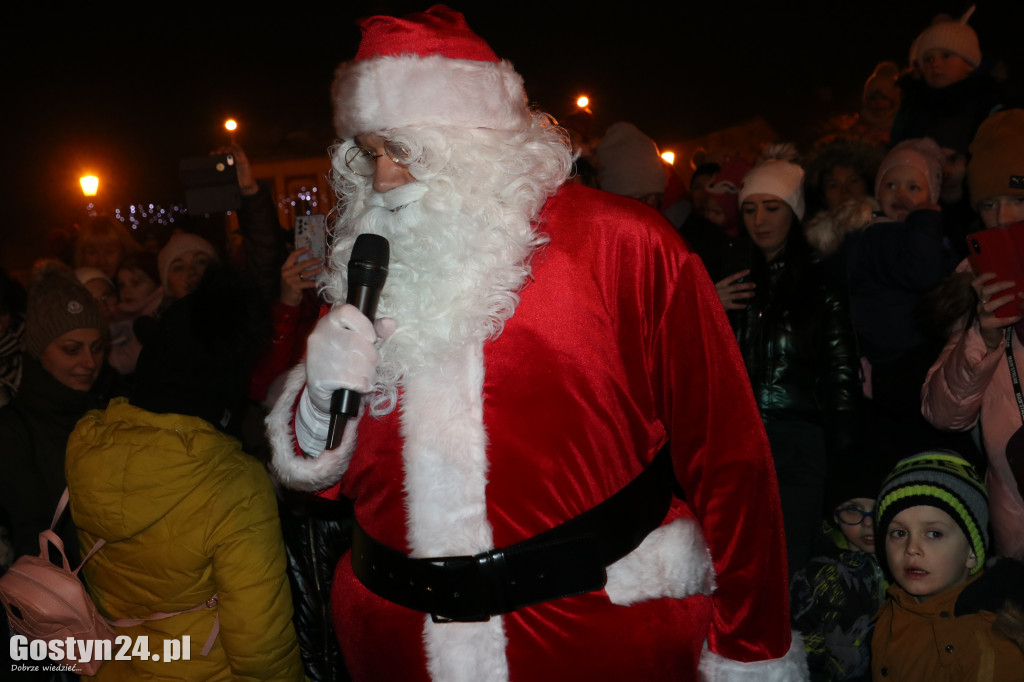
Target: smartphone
[[211, 183], [311, 233], [1000, 250]]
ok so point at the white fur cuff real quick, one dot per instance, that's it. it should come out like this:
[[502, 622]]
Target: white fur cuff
[[293, 471], [673, 561], [790, 668]]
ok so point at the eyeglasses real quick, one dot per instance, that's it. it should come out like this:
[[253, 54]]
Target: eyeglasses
[[853, 516], [363, 161]]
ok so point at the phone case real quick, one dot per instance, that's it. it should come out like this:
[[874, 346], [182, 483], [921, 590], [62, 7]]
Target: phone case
[[1000, 250], [311, 232]]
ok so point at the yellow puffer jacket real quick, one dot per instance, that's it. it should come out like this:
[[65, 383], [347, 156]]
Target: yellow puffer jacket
[[186, 515]]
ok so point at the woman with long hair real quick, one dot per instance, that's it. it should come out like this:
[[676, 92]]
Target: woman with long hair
[[797, 344]]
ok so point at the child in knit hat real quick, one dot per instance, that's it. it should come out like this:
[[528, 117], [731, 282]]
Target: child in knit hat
[[833, 599], [938, 620], [182, 262], [947, 81], [889, 265]]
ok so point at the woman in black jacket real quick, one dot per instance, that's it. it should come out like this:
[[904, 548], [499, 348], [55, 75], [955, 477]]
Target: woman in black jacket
[[798, 347], [63, 377]]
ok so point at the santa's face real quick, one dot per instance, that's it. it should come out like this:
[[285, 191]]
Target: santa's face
[[391, 169]]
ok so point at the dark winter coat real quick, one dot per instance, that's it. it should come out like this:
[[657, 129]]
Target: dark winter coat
[[961, 106], [832, 603], [802, 363], [34, 431]]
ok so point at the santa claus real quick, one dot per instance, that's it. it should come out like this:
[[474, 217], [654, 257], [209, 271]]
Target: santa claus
[[538, 344]]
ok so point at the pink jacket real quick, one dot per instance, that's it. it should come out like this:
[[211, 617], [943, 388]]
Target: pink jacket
[[967, 383]]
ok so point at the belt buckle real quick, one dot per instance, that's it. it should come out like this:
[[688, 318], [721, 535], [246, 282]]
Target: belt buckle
[[480, 617]]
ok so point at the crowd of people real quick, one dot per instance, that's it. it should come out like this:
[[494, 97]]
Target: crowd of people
[[764, 424]]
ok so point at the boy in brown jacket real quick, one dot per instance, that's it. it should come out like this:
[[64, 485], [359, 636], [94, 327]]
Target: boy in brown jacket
[[947, 617]]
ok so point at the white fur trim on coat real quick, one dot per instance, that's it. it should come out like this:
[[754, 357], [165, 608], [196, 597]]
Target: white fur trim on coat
[[790, 668], [390, 92], [303, 473], [445, 458], [673, 561]]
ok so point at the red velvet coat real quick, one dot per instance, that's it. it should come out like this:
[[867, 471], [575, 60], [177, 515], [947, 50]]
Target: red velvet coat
[[618, 344]]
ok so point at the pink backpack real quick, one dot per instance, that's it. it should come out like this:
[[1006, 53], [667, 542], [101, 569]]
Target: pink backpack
[[48, 602]]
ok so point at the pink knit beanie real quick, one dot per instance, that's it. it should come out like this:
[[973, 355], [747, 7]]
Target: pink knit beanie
[[924, 155]]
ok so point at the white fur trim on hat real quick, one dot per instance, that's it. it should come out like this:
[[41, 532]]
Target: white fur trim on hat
[[778, 178], [385, 93], [790, 668]]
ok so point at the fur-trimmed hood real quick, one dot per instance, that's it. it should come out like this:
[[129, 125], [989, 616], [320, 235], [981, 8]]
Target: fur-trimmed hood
[[826, 231]]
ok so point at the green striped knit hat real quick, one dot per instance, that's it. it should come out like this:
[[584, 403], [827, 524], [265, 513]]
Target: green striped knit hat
[[942, 479]]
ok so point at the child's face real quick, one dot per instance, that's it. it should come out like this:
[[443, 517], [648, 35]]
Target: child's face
[[927, 552], [1004, 209], [842, 183], [941, 68], [134, 286], [857, 521], [105, 295], [713, 211], [902, 189]]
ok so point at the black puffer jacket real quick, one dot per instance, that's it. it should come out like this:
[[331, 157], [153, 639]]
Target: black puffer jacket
[[799, 349], [317, 533]]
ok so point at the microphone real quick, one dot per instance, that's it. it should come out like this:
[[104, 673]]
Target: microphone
[[367, 271]]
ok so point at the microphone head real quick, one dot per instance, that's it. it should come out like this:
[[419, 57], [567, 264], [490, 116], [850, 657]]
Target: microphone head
[[371, 248], [368, 266]]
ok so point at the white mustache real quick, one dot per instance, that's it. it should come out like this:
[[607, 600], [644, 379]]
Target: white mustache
[[399, 197]]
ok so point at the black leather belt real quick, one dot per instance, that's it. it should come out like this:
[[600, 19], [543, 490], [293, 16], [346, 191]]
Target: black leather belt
[[566, 560]]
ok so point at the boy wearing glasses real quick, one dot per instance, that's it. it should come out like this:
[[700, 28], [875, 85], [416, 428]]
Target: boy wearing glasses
[[833, 599]]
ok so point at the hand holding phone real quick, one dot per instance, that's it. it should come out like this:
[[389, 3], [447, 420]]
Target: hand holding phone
[[1000, 250], [311, 233]]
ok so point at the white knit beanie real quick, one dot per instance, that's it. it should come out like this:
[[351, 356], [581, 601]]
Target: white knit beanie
[[955, 36], [179, 243], [87, 274], [628, 162], [782, 179]]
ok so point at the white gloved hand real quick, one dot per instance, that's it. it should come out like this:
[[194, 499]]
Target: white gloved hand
[[340, 354]]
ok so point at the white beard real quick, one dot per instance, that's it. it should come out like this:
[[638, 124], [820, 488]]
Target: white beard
[[453, 277]]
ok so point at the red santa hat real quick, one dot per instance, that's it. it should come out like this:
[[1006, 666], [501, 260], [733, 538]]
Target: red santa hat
[[426, 68]]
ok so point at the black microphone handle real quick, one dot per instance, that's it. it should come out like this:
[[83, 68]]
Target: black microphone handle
[[344, 401]]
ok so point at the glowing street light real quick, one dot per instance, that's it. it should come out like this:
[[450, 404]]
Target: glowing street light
[[669, 157], [90, 185]]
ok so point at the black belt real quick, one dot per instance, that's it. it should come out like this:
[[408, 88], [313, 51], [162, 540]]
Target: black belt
[[566, 560]]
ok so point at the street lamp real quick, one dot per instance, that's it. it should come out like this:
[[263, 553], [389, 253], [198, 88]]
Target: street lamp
[[90, 185]]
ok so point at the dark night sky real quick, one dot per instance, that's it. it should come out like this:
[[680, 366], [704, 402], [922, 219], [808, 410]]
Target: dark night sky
[[128, 93]]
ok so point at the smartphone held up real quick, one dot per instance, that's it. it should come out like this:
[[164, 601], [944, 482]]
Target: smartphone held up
[[311, 233], [1000, 250]]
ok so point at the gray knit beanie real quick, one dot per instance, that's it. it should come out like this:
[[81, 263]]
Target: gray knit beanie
[[57, 304]]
